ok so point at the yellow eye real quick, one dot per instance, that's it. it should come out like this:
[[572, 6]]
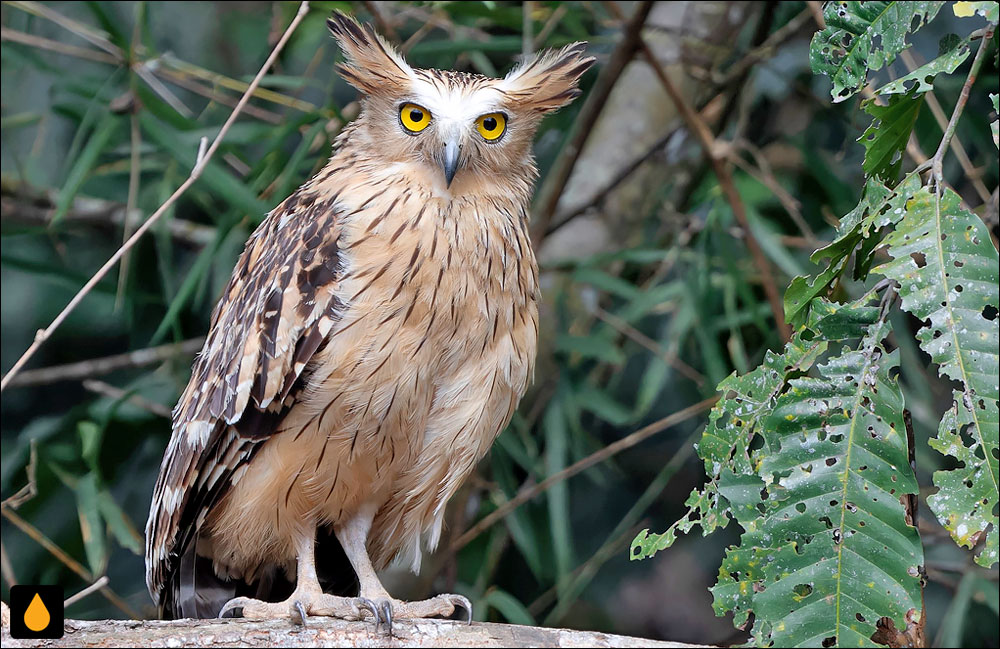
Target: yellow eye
[[491, 126], [414, 118]]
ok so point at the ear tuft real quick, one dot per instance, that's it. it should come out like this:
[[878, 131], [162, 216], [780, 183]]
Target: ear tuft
[[548, 80], [370, 63]]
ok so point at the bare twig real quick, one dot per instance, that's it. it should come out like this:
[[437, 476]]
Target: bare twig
[[107, 364], [595, 458], [18, 204], [97, 585], [30, 489], [133, 192], [110, 391], [36, 535], [6, 568], [15, 36], [384, 26], [555, 182], [717, 154], [89, 34], [937, 161], [763, 174], [44, 334], [956, 144], [634, 334], [780, 36]]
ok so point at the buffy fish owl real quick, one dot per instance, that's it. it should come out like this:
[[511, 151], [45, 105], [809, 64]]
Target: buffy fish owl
[[377, 334]]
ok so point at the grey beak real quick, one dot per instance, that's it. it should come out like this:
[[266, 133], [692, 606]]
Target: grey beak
[[449, 161]]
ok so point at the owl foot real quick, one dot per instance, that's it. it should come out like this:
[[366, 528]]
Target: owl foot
[[440, 606], [301, 605]]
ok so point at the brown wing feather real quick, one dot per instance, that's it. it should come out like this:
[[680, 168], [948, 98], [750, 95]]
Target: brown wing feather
[[274, 315]]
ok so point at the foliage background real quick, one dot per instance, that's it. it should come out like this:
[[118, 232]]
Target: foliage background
[[651, 297]]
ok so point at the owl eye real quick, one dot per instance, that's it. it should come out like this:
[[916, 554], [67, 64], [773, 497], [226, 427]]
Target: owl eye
[[491, 126], [414, 118]]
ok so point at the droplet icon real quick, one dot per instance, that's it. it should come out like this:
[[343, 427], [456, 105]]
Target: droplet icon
[[36, 617]]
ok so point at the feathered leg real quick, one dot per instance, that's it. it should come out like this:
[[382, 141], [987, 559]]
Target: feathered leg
[[353, 537], [308, 598]]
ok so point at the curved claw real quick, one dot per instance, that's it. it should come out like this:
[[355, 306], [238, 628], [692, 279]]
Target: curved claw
[[234, 603], [301, 610], [386, 609], [365, 604], [462, 602]]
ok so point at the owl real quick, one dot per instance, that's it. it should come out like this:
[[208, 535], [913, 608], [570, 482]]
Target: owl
[[377, 334]]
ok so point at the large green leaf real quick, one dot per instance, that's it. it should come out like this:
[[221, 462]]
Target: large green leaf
[[828, 551], [847, 555], [947, 269], [725, 444], [886, 138], [863, 36]]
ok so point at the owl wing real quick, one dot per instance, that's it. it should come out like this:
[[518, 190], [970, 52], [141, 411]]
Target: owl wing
[[275, 314]]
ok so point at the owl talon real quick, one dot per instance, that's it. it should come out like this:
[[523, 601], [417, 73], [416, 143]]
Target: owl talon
[[232, 605], [462, 602], [385, 607], [301, 611], [365, 604]]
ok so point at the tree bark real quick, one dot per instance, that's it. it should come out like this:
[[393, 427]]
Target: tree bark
[[323, 632]]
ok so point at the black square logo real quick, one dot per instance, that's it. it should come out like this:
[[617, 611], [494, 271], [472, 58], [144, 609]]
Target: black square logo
[[36, 612]]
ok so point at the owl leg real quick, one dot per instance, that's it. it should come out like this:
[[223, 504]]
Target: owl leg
[[308, 597], [353, 536]]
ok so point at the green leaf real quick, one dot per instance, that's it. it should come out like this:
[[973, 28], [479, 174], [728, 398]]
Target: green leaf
[[921, 80], [990, 10], [886, 138], [862, 37], [833, 505], [91, 524], [83, 165], [508, 606], [947, 269], [118, 523]]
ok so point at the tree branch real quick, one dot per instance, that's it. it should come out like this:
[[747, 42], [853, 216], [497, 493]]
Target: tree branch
[[322, 632]]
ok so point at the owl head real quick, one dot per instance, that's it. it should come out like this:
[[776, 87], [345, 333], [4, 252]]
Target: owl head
[[467, 128]]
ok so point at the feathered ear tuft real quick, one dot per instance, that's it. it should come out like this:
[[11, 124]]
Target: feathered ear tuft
[[547, 81], [370, 63]]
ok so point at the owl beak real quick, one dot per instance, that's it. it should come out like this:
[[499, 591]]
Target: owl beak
[[449, 162]]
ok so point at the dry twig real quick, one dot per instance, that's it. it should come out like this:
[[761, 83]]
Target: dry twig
[[45, 334], [595, 458]]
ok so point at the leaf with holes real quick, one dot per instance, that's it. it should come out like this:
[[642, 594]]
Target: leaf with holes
[[725, 444], [921, 80], [947, 269], [826, 500], [863, 36], [886, 138]]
